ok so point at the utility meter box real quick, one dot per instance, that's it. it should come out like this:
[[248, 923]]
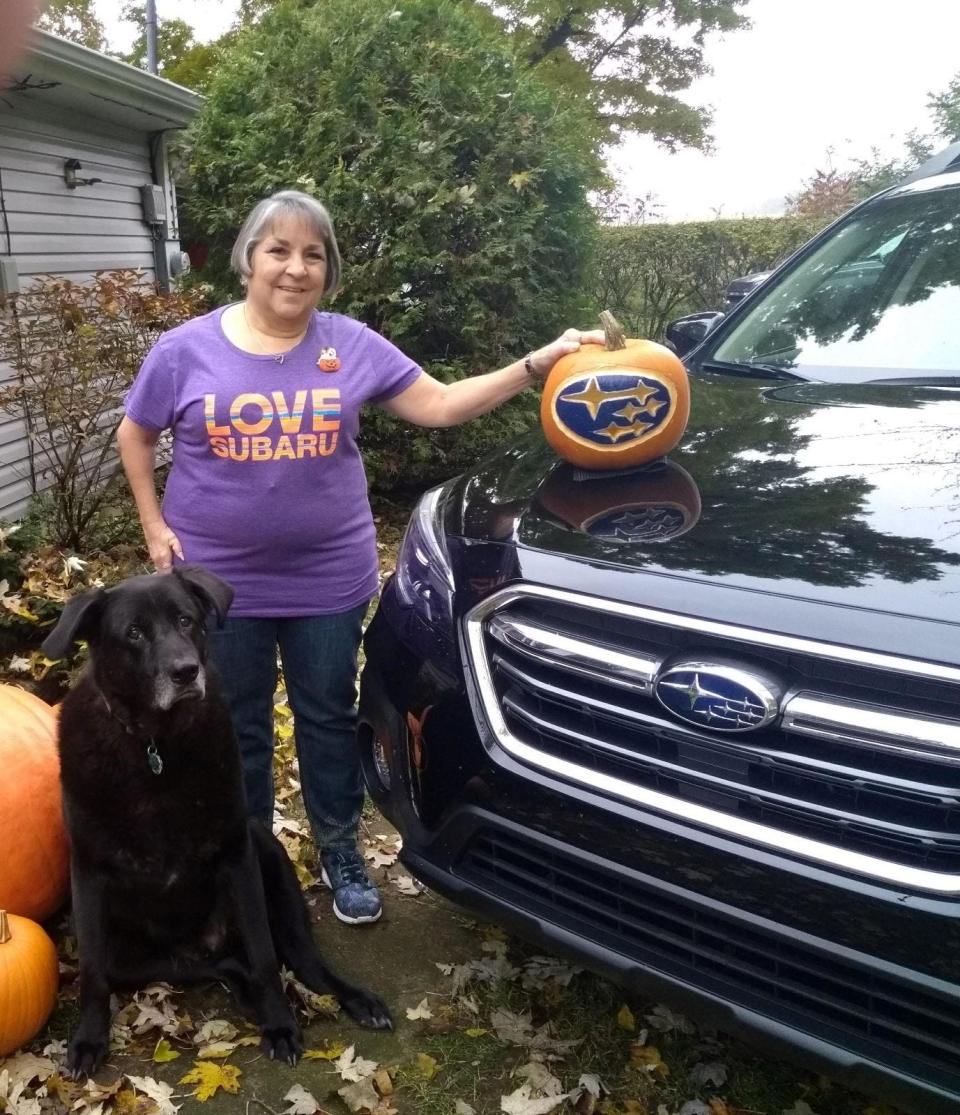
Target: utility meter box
[[154, 205], [9, 276]]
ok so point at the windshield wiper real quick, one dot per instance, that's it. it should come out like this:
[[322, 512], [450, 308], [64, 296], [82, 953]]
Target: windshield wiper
[[767, 371]]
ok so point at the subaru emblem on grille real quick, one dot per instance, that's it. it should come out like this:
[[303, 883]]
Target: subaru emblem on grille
[[719, 695]]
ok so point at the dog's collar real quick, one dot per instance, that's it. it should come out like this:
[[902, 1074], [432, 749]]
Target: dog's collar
[[154, 762]]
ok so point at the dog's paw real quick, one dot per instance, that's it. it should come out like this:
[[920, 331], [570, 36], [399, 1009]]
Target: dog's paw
[[282, 1043], [367, 1009], [85, 1057]]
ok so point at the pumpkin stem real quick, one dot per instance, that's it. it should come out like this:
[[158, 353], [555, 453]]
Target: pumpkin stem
[[5, 934], [613, 334]]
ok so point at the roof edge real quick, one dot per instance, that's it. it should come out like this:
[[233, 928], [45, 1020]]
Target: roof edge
[[110, 78]]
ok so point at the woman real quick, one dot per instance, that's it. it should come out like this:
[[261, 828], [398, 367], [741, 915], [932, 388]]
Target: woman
[[267, 490]]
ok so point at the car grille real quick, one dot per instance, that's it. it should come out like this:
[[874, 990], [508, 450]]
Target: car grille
[[883, 1013], [860, 769]]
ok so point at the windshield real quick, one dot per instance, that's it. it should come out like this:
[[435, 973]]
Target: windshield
[[879, 299]]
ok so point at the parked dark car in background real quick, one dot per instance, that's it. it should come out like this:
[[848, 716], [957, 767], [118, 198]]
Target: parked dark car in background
[[698, 725]]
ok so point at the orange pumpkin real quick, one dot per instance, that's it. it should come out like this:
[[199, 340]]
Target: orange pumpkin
[[29, 975], [34, 857], [617, 406]]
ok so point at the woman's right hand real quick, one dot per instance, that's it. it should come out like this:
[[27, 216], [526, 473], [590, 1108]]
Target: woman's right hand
[[163, 545]]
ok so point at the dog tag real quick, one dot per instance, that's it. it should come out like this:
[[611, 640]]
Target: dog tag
[[156, 763]]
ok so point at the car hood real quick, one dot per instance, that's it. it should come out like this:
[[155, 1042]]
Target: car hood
[[847, 494]]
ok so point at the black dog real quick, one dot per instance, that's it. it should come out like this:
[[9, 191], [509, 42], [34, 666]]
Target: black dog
[[170, 879]]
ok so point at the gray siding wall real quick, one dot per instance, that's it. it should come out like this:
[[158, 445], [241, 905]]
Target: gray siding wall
[[51, 229]]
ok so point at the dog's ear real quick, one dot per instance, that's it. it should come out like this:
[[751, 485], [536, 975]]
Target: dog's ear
[[214, 594], [79, 619]]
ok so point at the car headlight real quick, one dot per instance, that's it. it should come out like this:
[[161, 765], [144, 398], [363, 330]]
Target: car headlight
[[423, 579]]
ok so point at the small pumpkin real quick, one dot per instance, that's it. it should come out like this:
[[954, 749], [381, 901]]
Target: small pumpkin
[[617, 406], [29, 976], [34, 855]]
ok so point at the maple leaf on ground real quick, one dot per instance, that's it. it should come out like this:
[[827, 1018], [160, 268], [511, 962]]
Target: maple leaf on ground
[[24, 1067], [419, 1011], [301, 1102], [665, 1020], [407, 885], [361, 1095], [708, 1072], [427, 1066], [521, 1102], [157, 1090], [216, 1029], [353, 1068], [538, 1076], [211, 1078], [330, 1054], [163, 1051]]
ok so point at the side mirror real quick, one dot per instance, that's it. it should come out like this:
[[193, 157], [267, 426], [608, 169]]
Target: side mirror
[[684, 334]]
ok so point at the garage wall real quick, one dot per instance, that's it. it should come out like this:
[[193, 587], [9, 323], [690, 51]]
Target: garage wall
[[49, 228]]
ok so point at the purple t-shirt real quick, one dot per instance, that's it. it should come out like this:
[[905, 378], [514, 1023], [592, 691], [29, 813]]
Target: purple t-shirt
[[267, 487]]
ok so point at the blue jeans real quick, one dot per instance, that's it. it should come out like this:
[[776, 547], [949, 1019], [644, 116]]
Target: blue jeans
[[319, 657]]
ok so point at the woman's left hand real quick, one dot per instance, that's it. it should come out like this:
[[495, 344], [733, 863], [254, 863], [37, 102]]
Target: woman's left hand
[[543, 359]]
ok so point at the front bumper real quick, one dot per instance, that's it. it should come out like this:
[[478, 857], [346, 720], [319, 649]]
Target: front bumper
[[808, 963]]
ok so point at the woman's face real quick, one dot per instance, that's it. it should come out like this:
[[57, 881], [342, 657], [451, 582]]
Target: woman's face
[[289, 270]]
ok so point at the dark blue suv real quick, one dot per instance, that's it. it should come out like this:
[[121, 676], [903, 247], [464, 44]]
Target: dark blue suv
[[698, 725]]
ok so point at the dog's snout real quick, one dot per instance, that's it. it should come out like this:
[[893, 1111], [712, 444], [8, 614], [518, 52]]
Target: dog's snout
[[184, 673]]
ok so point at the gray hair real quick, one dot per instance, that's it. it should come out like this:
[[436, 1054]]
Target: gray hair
[[264, 215]]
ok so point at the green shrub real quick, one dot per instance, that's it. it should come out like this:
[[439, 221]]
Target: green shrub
[[650, 274]]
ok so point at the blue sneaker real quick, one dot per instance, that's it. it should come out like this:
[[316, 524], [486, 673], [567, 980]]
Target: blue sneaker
[[355, 898]]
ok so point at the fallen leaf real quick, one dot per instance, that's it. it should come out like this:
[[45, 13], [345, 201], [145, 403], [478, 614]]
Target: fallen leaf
[[539, 1077], [521, 1102], [384, 1082], [408, 886], [353, 1068], [625, 1019], [330, 1054], [216, 1050], [461, 1107], [708, 1072], [476, 1032], [162, 1052], [665, 1020], [157, 1090], [301, 1102], [24, 1067], [361, 1095], [419, 1011], [217, 1029], [648, 1057], [211, 1078], [426, 1066]]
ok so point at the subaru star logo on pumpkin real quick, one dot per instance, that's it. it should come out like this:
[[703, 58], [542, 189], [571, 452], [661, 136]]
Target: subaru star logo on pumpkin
[[613, 408], [726, 698]]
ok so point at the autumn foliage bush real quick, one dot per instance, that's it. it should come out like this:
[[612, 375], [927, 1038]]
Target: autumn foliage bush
[[75, 348]]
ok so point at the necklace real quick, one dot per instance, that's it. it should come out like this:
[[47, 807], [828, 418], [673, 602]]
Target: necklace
[[254, 335]]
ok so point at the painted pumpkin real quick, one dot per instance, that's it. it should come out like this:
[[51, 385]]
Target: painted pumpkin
[[29, 976], [34, 858], [617, 406], [646, 505]]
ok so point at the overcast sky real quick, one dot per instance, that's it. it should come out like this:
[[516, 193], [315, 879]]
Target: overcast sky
[[809, 75]]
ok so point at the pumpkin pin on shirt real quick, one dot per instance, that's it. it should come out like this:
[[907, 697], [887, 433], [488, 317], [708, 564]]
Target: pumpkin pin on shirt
[[328, 361]]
